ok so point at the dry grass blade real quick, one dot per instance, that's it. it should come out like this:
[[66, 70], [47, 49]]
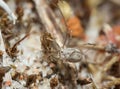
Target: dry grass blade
[[48, 19], [13, 51]]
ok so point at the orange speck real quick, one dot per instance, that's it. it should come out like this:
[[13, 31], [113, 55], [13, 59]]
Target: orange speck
[[75, 27], [116, 29], [21, 77], [8, 83]]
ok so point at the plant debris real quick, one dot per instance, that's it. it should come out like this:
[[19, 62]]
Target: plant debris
[[59, 44]]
